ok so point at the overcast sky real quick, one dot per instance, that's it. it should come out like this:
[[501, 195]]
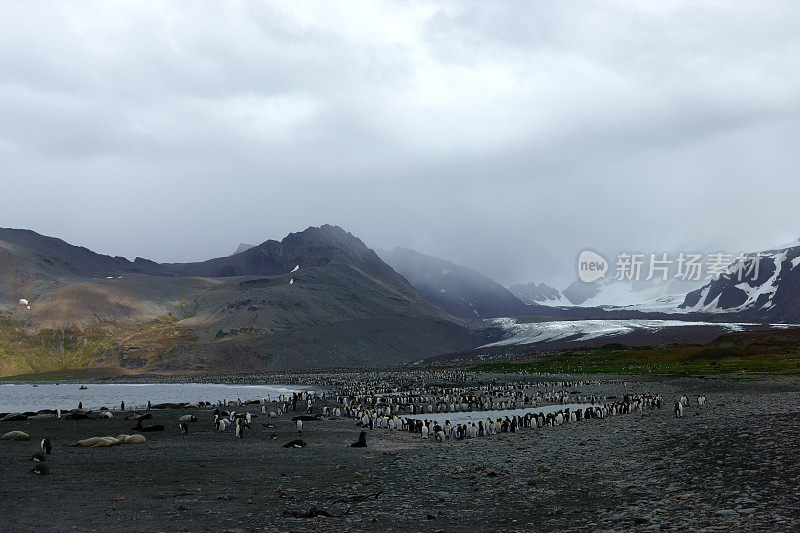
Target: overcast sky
[[503, 136]]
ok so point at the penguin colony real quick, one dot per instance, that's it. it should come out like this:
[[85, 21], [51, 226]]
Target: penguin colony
[[381, 417], [406, 404]]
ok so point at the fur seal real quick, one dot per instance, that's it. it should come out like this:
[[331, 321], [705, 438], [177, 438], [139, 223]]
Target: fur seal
[[306, 418], [361, 442], [140, 427]]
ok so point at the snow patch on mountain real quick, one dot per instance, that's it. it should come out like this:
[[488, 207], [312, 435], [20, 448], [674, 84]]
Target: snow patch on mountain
[[756, 290]]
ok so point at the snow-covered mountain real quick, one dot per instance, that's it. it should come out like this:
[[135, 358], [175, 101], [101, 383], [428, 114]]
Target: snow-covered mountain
[[641, 295], [542, 294], [768, 287], [653, 295]]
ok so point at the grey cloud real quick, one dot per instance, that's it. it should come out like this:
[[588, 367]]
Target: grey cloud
[[506, 136]]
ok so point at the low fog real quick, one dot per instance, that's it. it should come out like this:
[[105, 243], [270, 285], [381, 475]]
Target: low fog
[[502, 136]]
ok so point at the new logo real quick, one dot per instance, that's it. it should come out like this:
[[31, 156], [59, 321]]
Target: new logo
[[591, 266]]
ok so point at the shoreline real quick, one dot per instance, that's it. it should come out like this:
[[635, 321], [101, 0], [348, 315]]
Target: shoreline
[[726, 464]]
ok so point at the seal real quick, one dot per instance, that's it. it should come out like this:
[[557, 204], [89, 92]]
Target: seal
[[140, 427], [15, 435], [361, 442]]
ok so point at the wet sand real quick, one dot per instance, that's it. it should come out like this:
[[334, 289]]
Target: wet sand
[[731, 464]]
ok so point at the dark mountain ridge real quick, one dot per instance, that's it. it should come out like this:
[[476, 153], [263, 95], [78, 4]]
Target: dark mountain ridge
[[459, 290], [317, 298]]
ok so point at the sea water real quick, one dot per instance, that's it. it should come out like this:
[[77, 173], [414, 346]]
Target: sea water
[[27, 397]]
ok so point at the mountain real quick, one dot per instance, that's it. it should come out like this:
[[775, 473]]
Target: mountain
[[317, 298], [609, 293], [642, 295], [766, 287], [543, 294], [243, 247], [459, 290]]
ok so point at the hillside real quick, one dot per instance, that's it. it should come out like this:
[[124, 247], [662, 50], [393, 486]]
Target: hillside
[[317, 298], [458, 290]]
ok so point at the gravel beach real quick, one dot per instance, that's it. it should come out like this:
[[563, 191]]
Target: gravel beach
[[729, 464]]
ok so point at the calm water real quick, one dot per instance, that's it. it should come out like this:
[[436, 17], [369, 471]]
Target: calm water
[[17, 397]]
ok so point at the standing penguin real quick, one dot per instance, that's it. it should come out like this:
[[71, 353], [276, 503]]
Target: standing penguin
[[300, 426], [46, 445], [239, 428], [122, 405], [678, 409], [184, 427]]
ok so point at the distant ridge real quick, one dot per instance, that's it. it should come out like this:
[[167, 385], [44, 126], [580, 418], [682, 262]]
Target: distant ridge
[[459, 290], [243, 247]]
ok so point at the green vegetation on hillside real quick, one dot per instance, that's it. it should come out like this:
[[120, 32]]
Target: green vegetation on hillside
[[768, 352], [24, 350]]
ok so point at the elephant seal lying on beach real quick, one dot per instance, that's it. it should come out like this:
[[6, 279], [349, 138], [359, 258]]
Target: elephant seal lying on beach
[[78, 416], [15, 435], [137, 416], [105, 442], [14, 417]]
